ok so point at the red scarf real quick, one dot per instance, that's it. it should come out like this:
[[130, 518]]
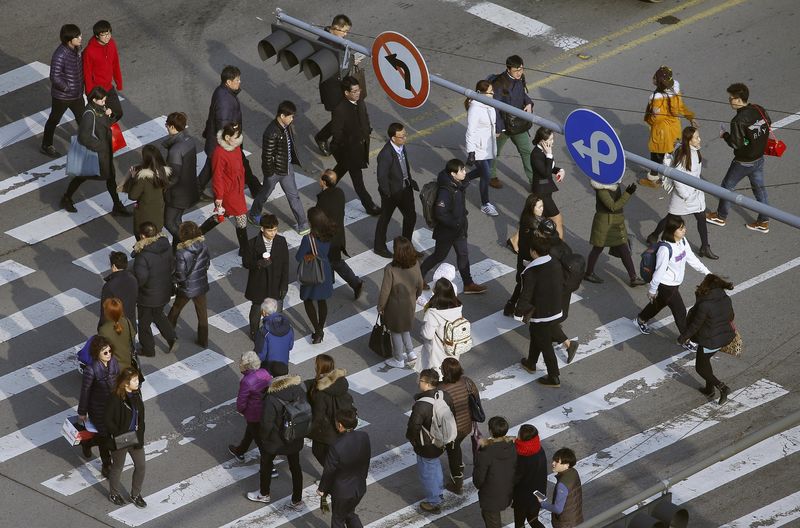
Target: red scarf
[[528, 447]]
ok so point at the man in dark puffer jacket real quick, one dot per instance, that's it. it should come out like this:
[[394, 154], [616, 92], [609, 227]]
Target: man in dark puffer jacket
[[152, 266], [278, 155], [66, 81]]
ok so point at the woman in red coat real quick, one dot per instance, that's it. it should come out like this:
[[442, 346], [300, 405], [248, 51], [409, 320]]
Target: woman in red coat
[[228, 184]]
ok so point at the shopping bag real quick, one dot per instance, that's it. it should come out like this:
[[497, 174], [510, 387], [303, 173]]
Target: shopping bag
[[74, 432], [380, 340], [81, 161], [117, 139]]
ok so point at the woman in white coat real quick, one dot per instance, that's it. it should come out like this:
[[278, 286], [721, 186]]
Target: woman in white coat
[[481, 142], [684, 199], [444, 306]]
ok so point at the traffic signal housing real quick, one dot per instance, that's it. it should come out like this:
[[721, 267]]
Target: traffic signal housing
[[660, 513], [293, 48]]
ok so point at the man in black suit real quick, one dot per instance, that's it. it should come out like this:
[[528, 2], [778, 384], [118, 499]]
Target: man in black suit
[[267, 261], [350, 144], [331, 200], [396, 187], [344, 477]]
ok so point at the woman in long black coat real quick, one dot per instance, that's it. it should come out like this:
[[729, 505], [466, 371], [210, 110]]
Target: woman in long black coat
[[99, 380], [710, 325], [94, 133]]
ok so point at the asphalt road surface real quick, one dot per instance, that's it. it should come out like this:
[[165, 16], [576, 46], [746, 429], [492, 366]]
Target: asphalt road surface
[[628, 404]]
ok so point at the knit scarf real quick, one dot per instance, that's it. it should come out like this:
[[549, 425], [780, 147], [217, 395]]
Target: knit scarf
[[528, 447]]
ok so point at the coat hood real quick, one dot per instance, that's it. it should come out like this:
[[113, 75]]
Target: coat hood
[[283, 382], [446, 271], [188, 243], [448, 314], [236, 143], [502, 448], [157, 246], [147, 173], [607, 186], [445, 180], [334, 381], [278, 324]]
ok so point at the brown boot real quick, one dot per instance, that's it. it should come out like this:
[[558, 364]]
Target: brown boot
[[495, 183], [455, 484]]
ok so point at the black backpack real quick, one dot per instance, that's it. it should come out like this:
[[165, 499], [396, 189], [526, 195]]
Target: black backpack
[[574, 267], [427, 195], [296, 420]]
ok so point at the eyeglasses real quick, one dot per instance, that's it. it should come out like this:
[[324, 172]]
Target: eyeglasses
[[106, 351]]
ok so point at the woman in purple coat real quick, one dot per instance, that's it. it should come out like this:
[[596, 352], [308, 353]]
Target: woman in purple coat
[[255, 381]]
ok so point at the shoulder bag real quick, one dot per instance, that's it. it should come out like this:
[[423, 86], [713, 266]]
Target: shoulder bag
[[775, 147], [734, 348], [82, 161], [128, 438], [476, 411], [310, 271]]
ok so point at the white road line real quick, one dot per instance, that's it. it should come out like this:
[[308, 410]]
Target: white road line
[[39, 372], [777, 514], [523, 25], [44, 312], [11, 271], [362, 264], [788, 120], [615, 457], [27, 127], [23, 76], [173, 376], [54, 170], [361, 323]]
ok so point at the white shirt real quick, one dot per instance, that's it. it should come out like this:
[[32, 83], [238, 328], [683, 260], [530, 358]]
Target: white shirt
[[669, 270]]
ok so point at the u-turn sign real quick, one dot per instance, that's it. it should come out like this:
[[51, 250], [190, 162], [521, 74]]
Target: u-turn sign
[[594, 146]]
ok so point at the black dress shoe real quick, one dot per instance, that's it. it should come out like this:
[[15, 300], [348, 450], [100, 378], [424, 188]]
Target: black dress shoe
[[119, 210], [51, 151], [138, 501], [116, 499], [67, 204], [383, 252], [373, 210], [591, 277], [705, 251], [316, 337], [571, 350], [323, 147], [550, 381]]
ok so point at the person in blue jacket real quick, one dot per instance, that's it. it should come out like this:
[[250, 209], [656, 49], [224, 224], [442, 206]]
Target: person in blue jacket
[[274, 340]]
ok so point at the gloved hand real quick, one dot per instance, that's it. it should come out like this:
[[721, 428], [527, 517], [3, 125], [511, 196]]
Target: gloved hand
[[471, 159], [630, 189]]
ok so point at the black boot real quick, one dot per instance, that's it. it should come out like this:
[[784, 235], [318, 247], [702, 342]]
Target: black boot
[[708, 390], [705, 251], [455, 484], [723, 393]]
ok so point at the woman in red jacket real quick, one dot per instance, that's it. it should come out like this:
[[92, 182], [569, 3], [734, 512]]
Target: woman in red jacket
[[228, 183]]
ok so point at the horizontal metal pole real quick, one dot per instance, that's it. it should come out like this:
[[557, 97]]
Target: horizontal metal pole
[[671, 172], [748, 441]]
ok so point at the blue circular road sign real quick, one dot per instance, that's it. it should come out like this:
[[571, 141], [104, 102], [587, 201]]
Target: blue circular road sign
[[594, 146]]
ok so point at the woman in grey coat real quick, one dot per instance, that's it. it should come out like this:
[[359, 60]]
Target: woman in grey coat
[[192, 261]]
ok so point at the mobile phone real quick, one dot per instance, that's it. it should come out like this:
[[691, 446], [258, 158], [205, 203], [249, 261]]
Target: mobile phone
[[539, 495]]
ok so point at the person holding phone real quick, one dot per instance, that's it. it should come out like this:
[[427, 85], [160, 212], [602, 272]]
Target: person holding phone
[[546, 174], [567, 503]]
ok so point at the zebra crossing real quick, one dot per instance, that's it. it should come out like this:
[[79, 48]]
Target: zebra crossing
[[178, 437]]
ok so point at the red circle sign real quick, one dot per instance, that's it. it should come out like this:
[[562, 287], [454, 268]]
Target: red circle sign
[[400, 69]]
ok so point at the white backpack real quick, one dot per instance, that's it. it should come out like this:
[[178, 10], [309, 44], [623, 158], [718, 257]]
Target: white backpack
[[443, 424], [457, 337]]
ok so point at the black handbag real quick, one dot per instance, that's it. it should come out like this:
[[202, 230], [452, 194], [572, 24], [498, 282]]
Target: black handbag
[[380, 340], [515, 125], [476, 411], [125, 440], [310, 271]]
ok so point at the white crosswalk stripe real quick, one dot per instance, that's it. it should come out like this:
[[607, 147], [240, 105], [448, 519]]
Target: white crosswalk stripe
[[23, 76], [44, 312], [11, 271]]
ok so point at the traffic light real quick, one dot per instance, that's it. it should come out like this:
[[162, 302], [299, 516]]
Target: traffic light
[[660, 513], [294, 48]]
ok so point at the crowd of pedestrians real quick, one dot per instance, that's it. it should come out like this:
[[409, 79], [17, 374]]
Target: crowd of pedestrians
[[280, 410]]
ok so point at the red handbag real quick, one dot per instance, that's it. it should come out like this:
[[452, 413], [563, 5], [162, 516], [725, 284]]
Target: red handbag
[[775, 147], [117, 139]]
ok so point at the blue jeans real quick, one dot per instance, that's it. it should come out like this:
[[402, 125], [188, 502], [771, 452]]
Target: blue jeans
[[289, 186], [482, 170], [736, 173], [430, 474]]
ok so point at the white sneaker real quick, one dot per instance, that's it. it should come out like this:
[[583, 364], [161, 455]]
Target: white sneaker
[[256, 496], [410, 357], [395, 363], [488, 209]]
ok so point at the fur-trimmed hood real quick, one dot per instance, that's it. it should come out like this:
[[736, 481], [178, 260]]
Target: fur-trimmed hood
[[283, 382], [486, 442], [237, 142], [330, 378], [147, 173], [187, 243], [607, 186], [143, 243]]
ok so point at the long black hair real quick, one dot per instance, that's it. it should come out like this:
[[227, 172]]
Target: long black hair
[[444, 296]]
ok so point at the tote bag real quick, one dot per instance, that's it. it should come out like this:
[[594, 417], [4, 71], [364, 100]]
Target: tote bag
[[80, 160], [310, 271]]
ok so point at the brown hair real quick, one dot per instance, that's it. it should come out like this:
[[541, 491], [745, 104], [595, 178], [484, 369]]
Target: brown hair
[[405, 256], [123, 379], [712, 282], [177, 120], [113, 310], [683, 154], [322, 227], [451, 370], [98, 343], [323, 364], [188, 230], [481, 87]]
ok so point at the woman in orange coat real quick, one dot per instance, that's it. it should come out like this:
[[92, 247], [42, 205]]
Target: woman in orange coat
[[664, 110], [228, 184]]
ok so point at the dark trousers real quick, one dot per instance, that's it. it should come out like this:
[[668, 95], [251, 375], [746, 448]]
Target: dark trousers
[[342, 167], [521, 514], [320, 451], [147, 316], [172, 221], [250, 436], [57, 110], [440, 252], [316, 319], [404, 200], [624, 250], [343, 513], [702, 226], [702, 365], [542, 343], [667, 296], [346, 273], [325, 132], [455, 458], [491, 519], [111, 187], [658, 157], [249, 178], [112, 102], [265, 473], [118, 463], [200, 308]]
